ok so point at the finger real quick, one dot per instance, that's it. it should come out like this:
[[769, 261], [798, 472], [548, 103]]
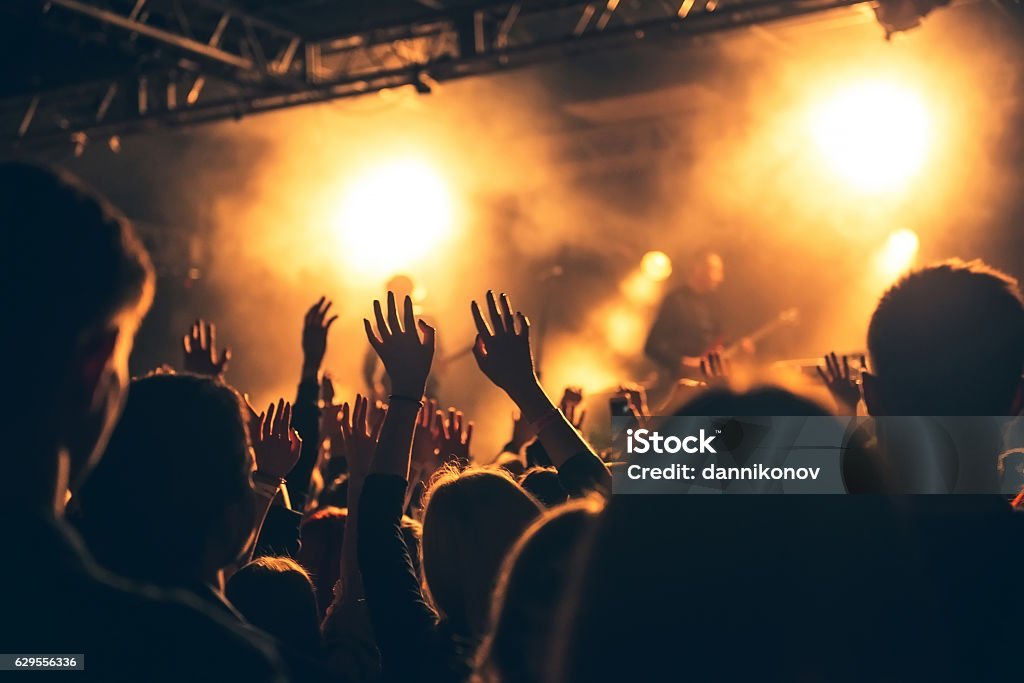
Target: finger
[[703, 368], [469, 434], [481, 325], [346, 425], [863, 364], [382, 327], [396, 325], [524, 325], [280, 428], [492, 309], [506, 314], [846, 367], [410, 316], [835, 364], [371, 336], [359, 415], [330, 322], [428, 335], [821, 373], [211, 339], [287, 416], [268, 422], [325, 306], [261, 419], [186, 344], [225, 355], [202, 335], [195, 333]]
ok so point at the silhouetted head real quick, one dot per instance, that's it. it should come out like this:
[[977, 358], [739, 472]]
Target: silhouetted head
[[543, 483], [707, 273], [947, 339], [77, 283], [470, 520], [275, 595], [863, 470], [533, 579], [322, 535], [511, 463], [172, 499]]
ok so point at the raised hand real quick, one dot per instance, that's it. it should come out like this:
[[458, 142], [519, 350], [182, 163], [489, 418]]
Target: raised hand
[[405, 354], [715, 369], [502, 349], [359, 435], [837, 378], [523, 432], [315, 326], [200, 350], [275, 443], [636, 399], [426, 440], [327, 389], [572, 397], [456, 436]]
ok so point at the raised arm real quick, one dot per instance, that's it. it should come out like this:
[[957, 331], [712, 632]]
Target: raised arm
[[306, 411], [403, 623], [502, 352], [407, 357], [276, 447]]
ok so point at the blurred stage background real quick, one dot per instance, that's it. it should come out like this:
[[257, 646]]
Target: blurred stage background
[[817, 157]]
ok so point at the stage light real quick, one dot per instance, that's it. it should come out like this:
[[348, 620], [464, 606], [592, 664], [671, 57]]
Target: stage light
[[898, 253], [875, 135], [656, 265], [392, 216]]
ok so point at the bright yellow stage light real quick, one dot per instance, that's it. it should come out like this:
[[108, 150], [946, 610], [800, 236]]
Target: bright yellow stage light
[[393, 215], [875, 135], [898, 253], [656, 265]]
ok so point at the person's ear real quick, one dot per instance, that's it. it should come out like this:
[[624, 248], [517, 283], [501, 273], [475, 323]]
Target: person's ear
[[872, 398]]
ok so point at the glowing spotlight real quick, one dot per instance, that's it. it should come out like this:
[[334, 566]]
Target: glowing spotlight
[[875, 135], [656, 265], [625, 328], [392, 216], [898, 253]]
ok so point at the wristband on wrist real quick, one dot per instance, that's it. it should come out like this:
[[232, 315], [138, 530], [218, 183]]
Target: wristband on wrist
[[266, 485]]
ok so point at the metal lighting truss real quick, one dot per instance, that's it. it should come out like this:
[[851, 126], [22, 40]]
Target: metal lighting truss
[[192, 61]]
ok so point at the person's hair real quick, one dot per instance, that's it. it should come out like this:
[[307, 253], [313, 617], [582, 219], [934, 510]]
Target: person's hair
[[74, 271], [178, 461], [512, 463], [948, 339], [471, 518], [543, 483], [275, 594], [533, 578]]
